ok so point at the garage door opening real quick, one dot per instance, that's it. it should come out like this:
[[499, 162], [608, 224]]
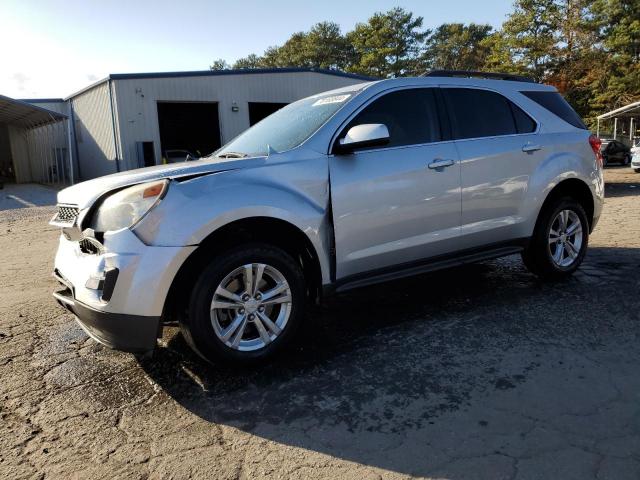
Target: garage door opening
[[192, 127], [260, 110]]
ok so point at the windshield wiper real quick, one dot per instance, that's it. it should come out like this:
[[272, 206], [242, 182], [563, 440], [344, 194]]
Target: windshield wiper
[[232, 155]]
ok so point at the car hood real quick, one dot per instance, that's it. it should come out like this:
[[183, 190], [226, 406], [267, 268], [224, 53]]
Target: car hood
[[85, 193]]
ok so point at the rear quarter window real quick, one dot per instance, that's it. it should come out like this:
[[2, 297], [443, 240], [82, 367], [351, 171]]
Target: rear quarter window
[[553, 102]]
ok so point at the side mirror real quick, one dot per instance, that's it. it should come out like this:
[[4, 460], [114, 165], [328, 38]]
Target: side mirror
[[361, 136]]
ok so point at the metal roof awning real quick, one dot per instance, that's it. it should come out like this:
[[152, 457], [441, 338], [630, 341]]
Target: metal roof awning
[[631, 110], [23, 114]]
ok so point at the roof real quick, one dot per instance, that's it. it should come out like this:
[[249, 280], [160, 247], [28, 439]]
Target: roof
[[626, 111], [23, 114], [216, 73], [42, 100]]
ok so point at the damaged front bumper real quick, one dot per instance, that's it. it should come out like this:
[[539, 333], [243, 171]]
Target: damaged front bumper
[[130, 333], [117, 292]]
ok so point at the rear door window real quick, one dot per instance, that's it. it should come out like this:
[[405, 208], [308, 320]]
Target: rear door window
[[481, 113], [410, 115], [524, 123]]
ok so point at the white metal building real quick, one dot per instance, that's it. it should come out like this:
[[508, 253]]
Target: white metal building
[[34, 141], [128, 121], [623, 123]]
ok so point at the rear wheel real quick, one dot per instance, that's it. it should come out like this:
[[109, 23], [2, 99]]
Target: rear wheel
[[560, 240], [246, 305]]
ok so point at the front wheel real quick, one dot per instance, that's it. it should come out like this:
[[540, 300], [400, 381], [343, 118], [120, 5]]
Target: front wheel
[[246, 305], [560, 240]]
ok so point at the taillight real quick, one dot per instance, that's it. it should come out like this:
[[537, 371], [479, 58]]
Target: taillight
[[596, 143]]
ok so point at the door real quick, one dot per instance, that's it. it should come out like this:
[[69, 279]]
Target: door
[[498, 150], [260, 110], [189, 126], [390, 207]]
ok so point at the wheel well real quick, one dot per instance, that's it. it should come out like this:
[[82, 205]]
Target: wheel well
[[278, 233], [576, 189]]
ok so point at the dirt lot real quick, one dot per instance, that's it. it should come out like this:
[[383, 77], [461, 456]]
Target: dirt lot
[[478, 372]]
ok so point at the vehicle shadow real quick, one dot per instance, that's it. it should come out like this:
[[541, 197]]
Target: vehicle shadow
[[622, 189], [404, 376]]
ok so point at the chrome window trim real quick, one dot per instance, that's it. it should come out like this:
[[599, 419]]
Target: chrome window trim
[[368, 102]]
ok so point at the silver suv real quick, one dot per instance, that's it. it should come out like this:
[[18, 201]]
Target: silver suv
[[347, 188]]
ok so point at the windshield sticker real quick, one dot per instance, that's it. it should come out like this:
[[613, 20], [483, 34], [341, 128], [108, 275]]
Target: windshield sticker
[[332, 99]]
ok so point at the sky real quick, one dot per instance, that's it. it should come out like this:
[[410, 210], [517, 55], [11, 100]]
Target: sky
[[52, 48]]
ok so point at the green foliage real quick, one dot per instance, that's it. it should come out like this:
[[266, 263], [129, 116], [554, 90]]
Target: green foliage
[[388, 44], [530, 35], [455, 46], [323, 46], [250, 61], [219, 64], [618, 25], [588, 49]]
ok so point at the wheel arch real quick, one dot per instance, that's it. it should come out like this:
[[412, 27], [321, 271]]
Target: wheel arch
[[576, 189], [273, 231]]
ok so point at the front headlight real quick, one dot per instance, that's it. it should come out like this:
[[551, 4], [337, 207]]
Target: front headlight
[[125, 208]]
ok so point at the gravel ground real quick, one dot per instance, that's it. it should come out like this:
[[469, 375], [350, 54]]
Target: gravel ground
[[477, 372]]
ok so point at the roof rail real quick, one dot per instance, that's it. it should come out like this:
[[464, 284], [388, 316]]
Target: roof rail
[[470, 73]]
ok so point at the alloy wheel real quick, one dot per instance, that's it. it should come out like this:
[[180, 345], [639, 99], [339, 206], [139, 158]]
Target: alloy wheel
[[565, 238], [251, 307]]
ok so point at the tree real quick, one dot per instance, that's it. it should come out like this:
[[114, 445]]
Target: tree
[[455, 46], [388, 45], [618, 27], [291, 54], [323, 46], [577, 59], [498, 57], [219, 64], [326, 47], [530, 35], [250, 61]]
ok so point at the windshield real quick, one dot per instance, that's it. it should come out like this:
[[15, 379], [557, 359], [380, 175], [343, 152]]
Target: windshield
[[288, 127]]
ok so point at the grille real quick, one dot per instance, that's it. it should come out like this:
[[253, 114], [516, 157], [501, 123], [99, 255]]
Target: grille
[[66, 214], [88, 247]]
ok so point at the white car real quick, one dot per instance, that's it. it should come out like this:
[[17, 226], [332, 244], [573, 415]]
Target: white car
[[635, 157]]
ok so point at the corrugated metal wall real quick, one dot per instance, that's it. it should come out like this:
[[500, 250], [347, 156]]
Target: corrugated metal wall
[[137, 100], [20, 153], [94, 132], [48, 149]]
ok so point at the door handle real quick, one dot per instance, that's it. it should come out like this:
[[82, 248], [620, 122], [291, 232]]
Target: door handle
[[441, 163], [528, 148]]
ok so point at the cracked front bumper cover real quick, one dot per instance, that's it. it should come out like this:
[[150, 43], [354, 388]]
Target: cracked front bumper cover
[[130, 333]]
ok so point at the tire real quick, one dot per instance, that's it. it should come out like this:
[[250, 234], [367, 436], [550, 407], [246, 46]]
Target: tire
[[539, 257], [637, 170], [206, 323]]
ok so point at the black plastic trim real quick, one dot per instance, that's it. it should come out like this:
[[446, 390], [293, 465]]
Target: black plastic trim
[[130, 333], [109, 283], [439, 262], [476, 74]]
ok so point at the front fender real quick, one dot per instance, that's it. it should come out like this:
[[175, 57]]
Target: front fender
[[297, 193]]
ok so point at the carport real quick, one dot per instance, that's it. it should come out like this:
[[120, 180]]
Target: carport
[[34, 144], [625, 122]]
